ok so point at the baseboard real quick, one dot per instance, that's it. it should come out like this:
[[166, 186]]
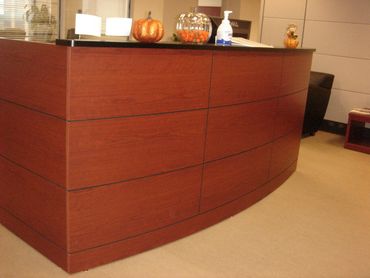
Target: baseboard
[[333, 127]]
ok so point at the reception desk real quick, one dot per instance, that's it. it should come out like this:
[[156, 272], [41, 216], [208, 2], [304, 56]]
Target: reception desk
[[110, 149]]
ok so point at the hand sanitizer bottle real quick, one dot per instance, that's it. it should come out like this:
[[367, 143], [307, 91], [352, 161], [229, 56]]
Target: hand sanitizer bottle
[[224, 31]]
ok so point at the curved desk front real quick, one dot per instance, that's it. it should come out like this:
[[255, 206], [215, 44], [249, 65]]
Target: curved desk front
[[110, 149]]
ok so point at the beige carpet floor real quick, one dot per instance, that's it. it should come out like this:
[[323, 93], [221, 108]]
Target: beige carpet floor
[[317, 224]]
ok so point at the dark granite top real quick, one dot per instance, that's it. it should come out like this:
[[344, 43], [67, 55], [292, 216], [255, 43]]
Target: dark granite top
[[169, 45]]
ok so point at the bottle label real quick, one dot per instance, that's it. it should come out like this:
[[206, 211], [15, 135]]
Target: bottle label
[[223, 42], [224, 38]]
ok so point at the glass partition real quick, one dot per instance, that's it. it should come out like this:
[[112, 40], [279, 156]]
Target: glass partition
[[47, 20], [101, 8]]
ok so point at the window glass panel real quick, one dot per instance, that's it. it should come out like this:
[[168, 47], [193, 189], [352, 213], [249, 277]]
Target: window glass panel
[[35, 20], [1, 7], [38, 20], [102, 8]]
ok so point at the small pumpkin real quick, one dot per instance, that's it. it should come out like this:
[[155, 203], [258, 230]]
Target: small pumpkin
[[148, 29], [291, 43]]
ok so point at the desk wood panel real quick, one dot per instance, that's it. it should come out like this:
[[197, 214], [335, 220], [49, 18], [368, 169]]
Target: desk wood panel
[[115, 150], [290, 113], [227, 179], [237, 128], [239, 77], [34, 75], [108, 82], [34, 140], [110, 213], [34, 239], [295, 73], [96, 256], [284, 152], [110, 151], [33, 200]]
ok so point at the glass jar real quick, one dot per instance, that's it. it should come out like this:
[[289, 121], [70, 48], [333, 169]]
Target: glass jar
[[193, 27]]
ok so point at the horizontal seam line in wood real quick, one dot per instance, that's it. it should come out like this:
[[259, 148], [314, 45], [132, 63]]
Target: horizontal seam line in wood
[[151, 175], [32, 109], [32, 172], [135, 178], [183, 220], [258, 100], [139, 115], [148, 114], [33, 229], [184, 168]]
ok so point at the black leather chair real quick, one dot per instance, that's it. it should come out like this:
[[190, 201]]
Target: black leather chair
[[318, 95]]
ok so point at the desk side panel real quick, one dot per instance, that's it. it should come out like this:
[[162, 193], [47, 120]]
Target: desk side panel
[[230, 178], [295, 73], [33, 140], [34, 201], [113, 82], [237, 128], [34, 75], [111, 213], [240, 77], [96, 256], [285, 152], [115, 150], [290, 113]]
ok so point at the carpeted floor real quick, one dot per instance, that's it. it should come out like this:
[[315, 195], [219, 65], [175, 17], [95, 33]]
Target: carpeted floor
[[317, 224]]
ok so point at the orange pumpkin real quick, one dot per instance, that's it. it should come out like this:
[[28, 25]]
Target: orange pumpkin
[[148, 29], [291, 42]]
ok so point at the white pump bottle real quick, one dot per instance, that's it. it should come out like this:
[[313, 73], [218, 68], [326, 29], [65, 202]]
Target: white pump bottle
[[224, 31]]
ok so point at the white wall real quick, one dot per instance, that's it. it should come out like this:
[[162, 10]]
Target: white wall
[[246, 10], [339, 30], [140, 8], [168, 10], [250, 10]]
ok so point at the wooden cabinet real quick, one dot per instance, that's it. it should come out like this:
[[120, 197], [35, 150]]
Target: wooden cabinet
[[109, 151]]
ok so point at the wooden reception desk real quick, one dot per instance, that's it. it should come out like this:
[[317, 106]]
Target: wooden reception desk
[[110, 149]]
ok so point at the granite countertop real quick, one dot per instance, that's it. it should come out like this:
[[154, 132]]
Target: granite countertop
[[169, 45]]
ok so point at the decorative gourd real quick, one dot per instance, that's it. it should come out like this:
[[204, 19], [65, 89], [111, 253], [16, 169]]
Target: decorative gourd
[[148, 29], [291, 42], [291, 38]]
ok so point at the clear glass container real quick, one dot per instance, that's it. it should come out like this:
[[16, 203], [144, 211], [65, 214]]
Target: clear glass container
[[193, 27]]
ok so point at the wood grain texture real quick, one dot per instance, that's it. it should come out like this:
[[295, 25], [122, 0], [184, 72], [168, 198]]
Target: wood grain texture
[[111, 82], [107, 214], [115, 150], [132, 164], [228, 179], [33, 238], [237, 128], [290, 113], [295, 73], [34, 140], [33, 200], [34, 75], [285, 152], [97, 256], [239, 77]]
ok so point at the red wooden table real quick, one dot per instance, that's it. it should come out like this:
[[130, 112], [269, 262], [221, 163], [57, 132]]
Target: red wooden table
[[357, 135]]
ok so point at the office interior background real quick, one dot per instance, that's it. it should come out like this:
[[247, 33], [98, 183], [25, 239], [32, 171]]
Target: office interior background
[[339, 30]]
